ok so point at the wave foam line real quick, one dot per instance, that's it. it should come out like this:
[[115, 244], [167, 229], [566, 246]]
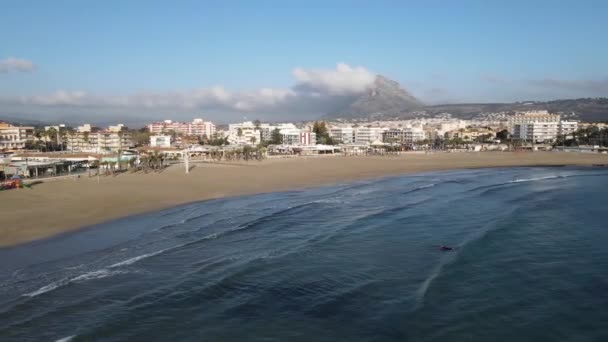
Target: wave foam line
[[424, 287], [419, 188], [99, 274], [135, 259], [535, 179]]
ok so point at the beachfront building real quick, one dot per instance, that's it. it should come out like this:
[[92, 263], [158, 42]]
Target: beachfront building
[[342, 135], [567, 128], [367, 135], [198, 127], [407, 135], [112, 139], [308, 138], [15, 137], [471, 134], [535, 126], [535, 132], [267, 129], [244, 133], [297, 137], [413, 134]]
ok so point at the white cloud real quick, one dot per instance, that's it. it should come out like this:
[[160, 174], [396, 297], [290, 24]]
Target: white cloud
[[15, 64], [311, 85], [215, 97], [60, 97], [344, 80]]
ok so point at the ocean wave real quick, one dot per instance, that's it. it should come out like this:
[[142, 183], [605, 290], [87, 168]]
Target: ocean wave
[[98, 274], [276, 214], [66, 339], [426, 284], [419, 188], [136, 259], [523, 180], [331, 200], [512, 182], [357, 222], [183, 221], [533, 179]]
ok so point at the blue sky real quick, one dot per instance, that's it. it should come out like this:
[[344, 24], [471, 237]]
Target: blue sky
[[93, 57]]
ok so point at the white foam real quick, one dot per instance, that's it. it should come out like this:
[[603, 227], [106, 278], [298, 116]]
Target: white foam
[[332, 200], [422, 290], [66, 339], [136, 259], [48, 288], [102, 273], [533, 179], [426, 186]]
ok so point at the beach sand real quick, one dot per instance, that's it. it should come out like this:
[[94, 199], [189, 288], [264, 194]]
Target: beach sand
[[55, 207]]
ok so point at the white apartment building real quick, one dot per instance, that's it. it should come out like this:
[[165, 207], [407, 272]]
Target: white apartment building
[[197, 127], [470, 134], [244, 133], [567, 128], [105, 141], [295, 136], [536, 132], [291, 136], [56, 127], [84, 128], [451, 125], [14, 137], [160, 141], [266, 129], [540, 126], [412, 135], [367, 135], [116, 128], [308, 138], [342, 135], [404, 136]]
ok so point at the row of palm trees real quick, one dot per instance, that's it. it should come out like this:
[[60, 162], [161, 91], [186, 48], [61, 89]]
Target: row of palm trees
[[50, 137], [247, 153], [591, 135]]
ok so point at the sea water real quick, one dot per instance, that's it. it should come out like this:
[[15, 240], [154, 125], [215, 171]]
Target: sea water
[[351, 262]]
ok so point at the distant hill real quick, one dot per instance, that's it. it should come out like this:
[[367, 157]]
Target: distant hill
[[385, 98], [22, 121], [585, 109]]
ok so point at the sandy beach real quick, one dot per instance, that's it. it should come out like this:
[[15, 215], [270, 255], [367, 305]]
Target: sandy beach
[[55, 207]]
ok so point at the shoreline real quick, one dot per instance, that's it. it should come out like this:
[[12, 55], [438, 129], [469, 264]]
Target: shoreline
[[53, 209]]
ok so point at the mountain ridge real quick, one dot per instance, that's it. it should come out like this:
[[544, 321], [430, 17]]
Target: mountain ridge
[[385, 97]]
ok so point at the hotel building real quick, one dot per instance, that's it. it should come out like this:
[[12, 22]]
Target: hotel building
[[15, 137], [197, 127]]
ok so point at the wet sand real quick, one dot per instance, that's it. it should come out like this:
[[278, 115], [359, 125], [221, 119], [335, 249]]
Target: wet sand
[[60, 206]]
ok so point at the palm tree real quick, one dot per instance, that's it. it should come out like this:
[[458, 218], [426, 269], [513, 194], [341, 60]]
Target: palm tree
[[120, 135], [85, 137], [52, 135], [63, 133]]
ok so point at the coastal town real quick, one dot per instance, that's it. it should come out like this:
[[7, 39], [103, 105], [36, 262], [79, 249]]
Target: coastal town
[[30, 152]]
